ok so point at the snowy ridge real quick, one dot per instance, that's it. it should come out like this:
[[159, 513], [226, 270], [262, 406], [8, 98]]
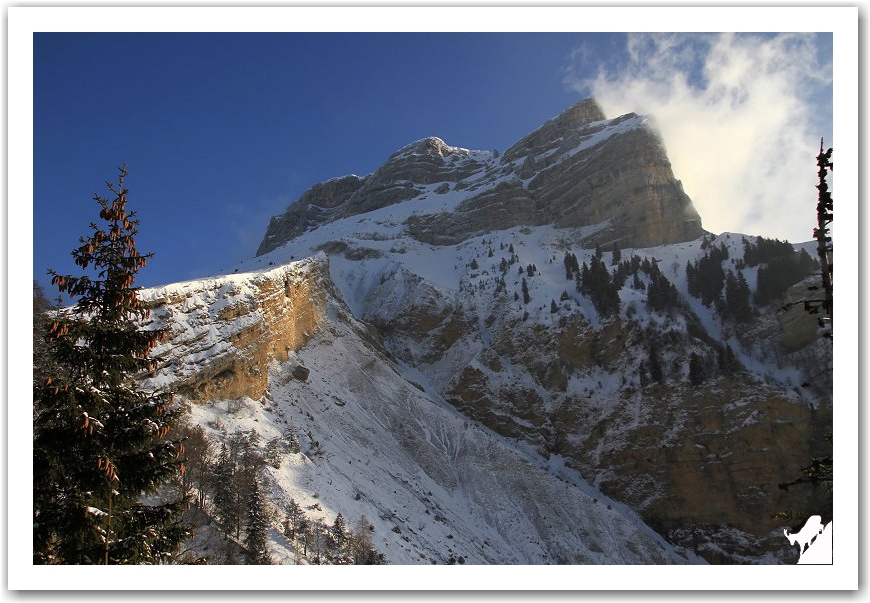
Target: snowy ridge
[[437, 487]]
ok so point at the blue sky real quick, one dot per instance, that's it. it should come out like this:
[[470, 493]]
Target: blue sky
[[221, 131]]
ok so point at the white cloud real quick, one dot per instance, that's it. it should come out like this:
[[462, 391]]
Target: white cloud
[[739, 115]]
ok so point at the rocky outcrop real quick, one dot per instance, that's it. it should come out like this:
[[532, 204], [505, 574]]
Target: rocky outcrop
[[402, 177], [321, 203], [701, 462], [224, 332], [576, 170]]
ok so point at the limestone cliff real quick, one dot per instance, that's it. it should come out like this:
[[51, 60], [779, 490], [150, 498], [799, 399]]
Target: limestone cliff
[[225, 331], [576, 170]]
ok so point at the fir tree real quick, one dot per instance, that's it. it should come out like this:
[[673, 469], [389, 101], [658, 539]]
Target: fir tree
[[44, 364], [257, 528], [569, 267], [224, 498], [737, 297], [525, 288], [99, 440], [617, 255], [338, 534]]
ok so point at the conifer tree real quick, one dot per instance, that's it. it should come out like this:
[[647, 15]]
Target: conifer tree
[[224, 496], [100, 441], [257, 528], [44, 364]]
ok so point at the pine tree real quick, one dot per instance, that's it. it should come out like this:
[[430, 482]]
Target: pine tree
[[257, 528], [737, 297], [525, 288], [224, 499], [99, 440], [44, 364], [339, 536], [617, 255]]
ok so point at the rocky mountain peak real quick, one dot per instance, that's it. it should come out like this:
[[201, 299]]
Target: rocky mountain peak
[[576, 170], [431, 145], [580, 114]]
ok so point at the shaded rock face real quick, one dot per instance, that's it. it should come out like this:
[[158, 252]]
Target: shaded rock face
[[225, 332], [577, 169], [702, 464], [424, 162]]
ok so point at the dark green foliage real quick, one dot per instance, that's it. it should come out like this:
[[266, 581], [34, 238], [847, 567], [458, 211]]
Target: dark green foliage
[[780, 273], [765, 250], [525, 287], [706, 277], [257, 528], [617, 255], [224, 498], [99, 441], [571, 265], [553, 307], [662, 296], [474, 265], [727, 361], [596, 283], [737, 295], [44, 364], [822, 234]]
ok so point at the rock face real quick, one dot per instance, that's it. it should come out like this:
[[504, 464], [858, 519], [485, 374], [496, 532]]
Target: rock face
[[578, 169], [224, 332], [402, 177], [456, 268], [701, 461], [434, 488]]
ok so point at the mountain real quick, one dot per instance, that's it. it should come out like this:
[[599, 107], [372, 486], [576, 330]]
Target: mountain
[[578, 169], [532, 357]]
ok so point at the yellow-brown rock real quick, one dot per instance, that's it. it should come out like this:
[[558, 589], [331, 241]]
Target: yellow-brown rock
[[225, 331]]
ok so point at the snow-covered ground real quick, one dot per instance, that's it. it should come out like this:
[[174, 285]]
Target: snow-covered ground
[[435, 486]]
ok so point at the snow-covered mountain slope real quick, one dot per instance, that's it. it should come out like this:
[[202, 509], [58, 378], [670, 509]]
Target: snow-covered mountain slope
[[480, 324], [571, 381], [578, 168], [436, 487]]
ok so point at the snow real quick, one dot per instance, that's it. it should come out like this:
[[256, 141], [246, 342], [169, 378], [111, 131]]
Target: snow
[[433, 483]]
